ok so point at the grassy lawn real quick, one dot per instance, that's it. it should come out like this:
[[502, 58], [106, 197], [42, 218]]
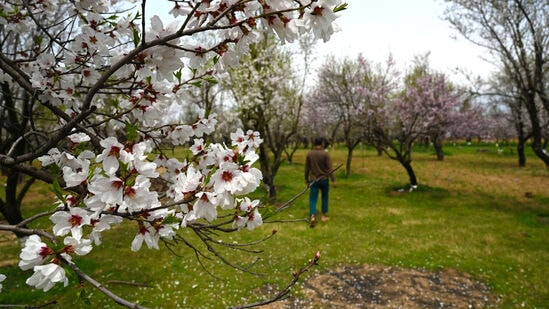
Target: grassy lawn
[[475, 212]]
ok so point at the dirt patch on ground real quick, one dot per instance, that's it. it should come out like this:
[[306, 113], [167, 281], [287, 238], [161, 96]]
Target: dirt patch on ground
[[376, 286]]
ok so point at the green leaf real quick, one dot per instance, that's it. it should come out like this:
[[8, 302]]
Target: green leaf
[[211, 80], [171, 220], [80, 147], [136, 38], [341, 7], [131, 132], [114, 102], [178, 75], [57, 190]]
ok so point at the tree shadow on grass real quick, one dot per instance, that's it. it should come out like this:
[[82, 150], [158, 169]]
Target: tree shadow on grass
[[422, 191]]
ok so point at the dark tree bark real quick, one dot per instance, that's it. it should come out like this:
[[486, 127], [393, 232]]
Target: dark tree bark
[[521, 142], [437, 144], [399, 150], [411, 174]]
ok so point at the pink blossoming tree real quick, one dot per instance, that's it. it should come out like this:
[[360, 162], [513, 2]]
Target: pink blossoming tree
[[426, 107]]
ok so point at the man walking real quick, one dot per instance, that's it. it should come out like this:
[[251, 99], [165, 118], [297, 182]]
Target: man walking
[[318, 171]]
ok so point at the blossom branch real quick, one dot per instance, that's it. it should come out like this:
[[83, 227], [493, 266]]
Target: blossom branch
[[62, 133], [26, 231], [119, 300], [101, 94]]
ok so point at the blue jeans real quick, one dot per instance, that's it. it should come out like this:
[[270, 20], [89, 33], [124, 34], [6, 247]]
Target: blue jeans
[[322, 185]]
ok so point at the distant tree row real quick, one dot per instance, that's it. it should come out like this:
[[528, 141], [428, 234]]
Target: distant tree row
[[354, 100]]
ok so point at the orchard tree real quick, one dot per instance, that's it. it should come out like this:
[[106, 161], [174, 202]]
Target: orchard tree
[[502, 127], [266, 93], [423, 108], [504, 95], [338, 98], [86, 92], [302, 57], [516, 36], [430, 94], [318, 120], [473, 121]]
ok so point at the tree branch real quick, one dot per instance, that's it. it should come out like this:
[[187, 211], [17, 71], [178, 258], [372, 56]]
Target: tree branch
[[284, 292], [119, 300]]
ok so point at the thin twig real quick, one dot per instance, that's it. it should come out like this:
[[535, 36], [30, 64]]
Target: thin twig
[[284, 292], [51, 303], [293, 199], [129, 283]]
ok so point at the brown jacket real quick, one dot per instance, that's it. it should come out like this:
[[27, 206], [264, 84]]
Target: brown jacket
[[318, 165]]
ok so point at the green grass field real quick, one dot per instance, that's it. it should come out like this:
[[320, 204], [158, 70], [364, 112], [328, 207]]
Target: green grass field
[[475, 212]]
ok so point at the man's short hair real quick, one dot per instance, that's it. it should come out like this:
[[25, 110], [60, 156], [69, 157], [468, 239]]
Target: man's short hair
[[319, 141]]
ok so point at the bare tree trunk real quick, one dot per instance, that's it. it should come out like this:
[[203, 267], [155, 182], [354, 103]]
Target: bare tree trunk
[[411, 174], [520, 145], [379, 151], [537, 135], [538, 150], [267, 171], [11, 208], [437, 144], [521, 154], [348, 163]]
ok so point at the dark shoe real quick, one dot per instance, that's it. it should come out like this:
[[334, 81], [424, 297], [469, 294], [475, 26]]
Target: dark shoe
[[312, 221]]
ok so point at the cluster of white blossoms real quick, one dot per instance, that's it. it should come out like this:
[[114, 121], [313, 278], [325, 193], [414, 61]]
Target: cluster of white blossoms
[[118, 184], [115, 75]]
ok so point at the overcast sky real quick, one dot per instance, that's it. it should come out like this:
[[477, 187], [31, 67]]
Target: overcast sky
[[404, 28]]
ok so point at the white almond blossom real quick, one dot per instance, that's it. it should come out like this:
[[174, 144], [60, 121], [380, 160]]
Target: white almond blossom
[[79, 138], [109, 190], [206, 205], [227, 178], [70, 221], [245, 142], [113, 151], [53, 157], [239, 221], [46, 276], [102, 224], [34, 252], [205, 126], [253, 217], [79, 246], [2, 278], [321, 18], [138, 197], [198, 146], [186, 184], [74, 176], [180, 134], [151, 233]]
